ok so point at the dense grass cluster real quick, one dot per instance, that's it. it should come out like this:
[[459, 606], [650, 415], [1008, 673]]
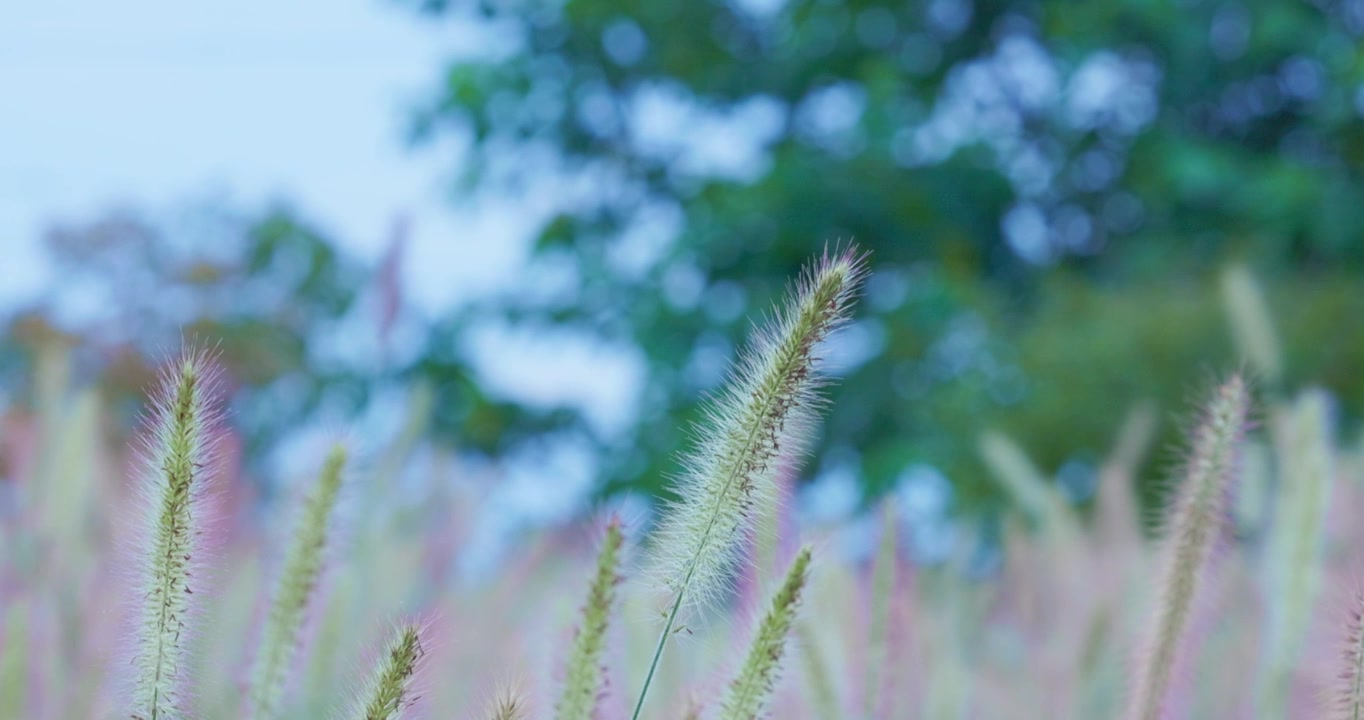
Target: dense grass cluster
[[169, 597]]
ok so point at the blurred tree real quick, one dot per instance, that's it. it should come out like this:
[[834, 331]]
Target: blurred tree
[[301, 329], [258, 288], [1047, 189], [1014, 167]]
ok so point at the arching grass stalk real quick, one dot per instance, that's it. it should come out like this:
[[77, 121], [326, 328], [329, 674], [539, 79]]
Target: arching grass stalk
[[389, 691], [1196, 521], [582, 687], [177, 457], [295, 590], [767, 410]]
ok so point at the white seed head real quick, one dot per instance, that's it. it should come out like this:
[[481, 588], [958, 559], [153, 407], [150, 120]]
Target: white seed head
[[766, 411], [1196, 523], [294, 591], [177, 459], [752, 688]]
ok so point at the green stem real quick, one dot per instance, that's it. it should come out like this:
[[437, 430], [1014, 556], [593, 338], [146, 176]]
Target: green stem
[[686, 581], [791, 367], [658, 654], [749, 443]]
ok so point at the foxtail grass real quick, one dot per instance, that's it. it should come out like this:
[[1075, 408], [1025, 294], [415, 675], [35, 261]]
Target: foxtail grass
[[388, 693], [295, 591], [883, 580], [1195, 524], [1251, 324], [177, 460], [583, 683], [1020, 478], [507, 705], [1296, 542], [1348, 702], [751, 689], [766, 411], [818, 680]]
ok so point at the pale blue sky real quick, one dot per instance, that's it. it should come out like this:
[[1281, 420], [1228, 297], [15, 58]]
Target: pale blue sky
[[150, 103]]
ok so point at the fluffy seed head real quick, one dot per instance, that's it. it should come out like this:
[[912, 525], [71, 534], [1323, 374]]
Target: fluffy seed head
[[583, 684], [766, 410], [178, 456], [389, 691], [508, 705], [751, 689], [295, 589], [1196, 522]]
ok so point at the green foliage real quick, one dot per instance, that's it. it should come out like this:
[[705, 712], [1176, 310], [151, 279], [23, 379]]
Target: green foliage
[[1227, 135]]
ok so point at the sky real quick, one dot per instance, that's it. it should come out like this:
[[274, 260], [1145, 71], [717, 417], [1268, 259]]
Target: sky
[[151, 103]]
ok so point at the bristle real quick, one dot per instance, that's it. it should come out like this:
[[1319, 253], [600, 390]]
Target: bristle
[[294, 591], [1197, 521], [388, 693], [178, 461], [1349, 703], [752, 688], [765, 413], [583, 686], [507, 705]]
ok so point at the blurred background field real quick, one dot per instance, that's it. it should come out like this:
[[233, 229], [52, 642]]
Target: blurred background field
[[507, 248]]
